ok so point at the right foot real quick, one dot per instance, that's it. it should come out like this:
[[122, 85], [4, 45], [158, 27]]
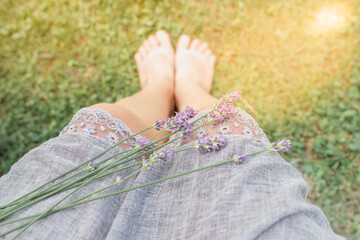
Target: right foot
[[194, 64]]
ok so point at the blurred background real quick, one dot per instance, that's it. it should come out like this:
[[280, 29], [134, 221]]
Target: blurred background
[[297, 64]]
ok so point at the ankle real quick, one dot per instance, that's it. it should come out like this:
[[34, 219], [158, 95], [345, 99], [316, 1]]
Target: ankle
[[193, 95]]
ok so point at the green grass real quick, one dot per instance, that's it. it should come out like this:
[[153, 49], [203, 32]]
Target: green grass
[[59, 56]]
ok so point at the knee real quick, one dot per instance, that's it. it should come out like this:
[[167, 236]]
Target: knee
[[114, 110], [125, 115], [111, 108], [103, 106]]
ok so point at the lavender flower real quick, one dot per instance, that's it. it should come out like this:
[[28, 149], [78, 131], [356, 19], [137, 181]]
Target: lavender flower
[[143, 143], [162, 155], [156, 157], [177, 122], [146, 164], [239, 158], [118, 180], [282, 145], [222, 110], [159, 124], [186, 131], [230, 97], [210, 144]]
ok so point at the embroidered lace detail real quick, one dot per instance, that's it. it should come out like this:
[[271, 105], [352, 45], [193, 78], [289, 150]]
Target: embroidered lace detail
[[240, 123], [100, 123]]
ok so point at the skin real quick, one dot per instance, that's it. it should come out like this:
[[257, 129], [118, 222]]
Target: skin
[[168, 79]]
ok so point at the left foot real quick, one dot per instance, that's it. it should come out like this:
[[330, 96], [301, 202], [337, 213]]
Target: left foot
[[155, 62]]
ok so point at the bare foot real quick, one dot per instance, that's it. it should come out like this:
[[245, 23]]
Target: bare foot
[[155, 62], [194, 64]]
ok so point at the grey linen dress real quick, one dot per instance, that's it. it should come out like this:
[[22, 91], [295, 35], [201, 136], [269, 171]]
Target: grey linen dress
[[262, 198]]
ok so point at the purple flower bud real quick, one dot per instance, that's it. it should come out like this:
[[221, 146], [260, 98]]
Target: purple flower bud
[[239, 158], [146, 164], [156, 157], [282, 145], [163, 155], [231, 97], [222, 110], [177, 122], [159, 124], [186, 131], [143, 143], [210, 144]]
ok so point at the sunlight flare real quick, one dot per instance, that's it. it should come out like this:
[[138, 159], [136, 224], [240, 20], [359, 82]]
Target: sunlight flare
[[331, 17]]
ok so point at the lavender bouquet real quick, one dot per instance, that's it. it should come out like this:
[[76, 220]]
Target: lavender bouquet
[[182, 124]]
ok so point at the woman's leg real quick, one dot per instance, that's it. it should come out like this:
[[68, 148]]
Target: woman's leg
[[155, 62], [194, 64]]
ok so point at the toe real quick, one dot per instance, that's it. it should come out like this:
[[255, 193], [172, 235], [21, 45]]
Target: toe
[[208, 53], [203, 47], [138, 58], [153, 42], [147, 46], [195, 44], [142, 51], [164, 39], [183, 43]]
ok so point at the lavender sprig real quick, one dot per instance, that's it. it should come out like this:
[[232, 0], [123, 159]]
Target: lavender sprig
[[239, 158], [162, 155], [236, 158], [143, 143], [178, 122], [222, 110], [210, 144], [282, 145]]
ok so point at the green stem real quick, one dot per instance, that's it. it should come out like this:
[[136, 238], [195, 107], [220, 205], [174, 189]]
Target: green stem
[[78, 202], [66, 186], [111, 185], [63, 187], [20, 219], [254, 153], [13, 229], [104, 169], [118, 170], [21, 200], [73, 169], [67, 196], [157, 134], [104, 175], [135, 164], [75, 203], [47, 190], [201, 117]]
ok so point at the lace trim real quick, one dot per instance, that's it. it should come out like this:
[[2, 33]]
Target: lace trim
[[100, 123], [240, 123]]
